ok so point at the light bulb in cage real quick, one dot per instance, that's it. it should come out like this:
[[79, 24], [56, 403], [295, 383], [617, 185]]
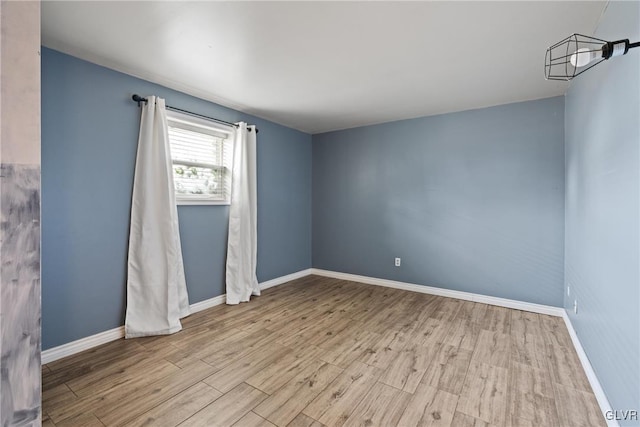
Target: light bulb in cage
[[584, 56], [578, 53]]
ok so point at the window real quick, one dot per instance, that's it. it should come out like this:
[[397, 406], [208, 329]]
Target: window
[[201, 156]]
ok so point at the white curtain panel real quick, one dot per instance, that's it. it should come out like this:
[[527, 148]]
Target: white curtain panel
[[242, 247], [156, 288]]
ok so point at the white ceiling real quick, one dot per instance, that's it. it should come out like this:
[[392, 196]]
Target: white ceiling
[[320, 66]]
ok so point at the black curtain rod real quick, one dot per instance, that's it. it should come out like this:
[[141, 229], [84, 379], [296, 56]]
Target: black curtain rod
[[137, 98]]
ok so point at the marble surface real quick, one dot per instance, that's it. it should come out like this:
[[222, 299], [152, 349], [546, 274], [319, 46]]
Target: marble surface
[[20, 295]]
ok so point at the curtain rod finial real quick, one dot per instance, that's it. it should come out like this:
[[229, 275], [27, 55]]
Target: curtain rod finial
[[137, 98]]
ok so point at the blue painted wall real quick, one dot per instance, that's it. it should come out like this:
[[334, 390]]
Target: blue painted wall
[[471, 201], [603, 211], [89, 139]]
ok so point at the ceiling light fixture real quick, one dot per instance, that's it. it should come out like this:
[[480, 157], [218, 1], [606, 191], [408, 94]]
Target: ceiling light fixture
[[578, 53]]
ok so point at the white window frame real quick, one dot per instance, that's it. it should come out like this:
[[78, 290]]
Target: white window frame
[[197, 124]]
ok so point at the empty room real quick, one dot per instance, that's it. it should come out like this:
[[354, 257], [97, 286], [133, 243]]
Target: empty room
[[320, 213]]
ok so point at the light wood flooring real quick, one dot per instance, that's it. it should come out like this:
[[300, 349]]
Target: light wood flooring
[[320, 351]]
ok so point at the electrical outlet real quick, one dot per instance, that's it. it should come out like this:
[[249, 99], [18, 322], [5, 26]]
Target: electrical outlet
[[575, 306], [568, 290], [398, 261]]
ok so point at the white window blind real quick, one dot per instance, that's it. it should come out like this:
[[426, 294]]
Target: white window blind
[[201, 156]]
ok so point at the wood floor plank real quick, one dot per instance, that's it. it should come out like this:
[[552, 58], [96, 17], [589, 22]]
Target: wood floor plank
[[555, 331], [382, 406], [525, 322], [82, 420], [228, 409], [353, 346], [236, 350], [484, 394], [449, 370], [275, 375], [244, 368], [361, 297], [369, 313], [70, 368], [565, 368], [275, 318], [337, 402], [121, 406], [250, 318], [119, 374], [286, 403], [97, 355], [428, 332], [473, 311], [338, 299], [178, 408], [523, 422], [314, 331], [380, 321], [330, 332], [212, 333], [576, 407], [406, 371], [205, 345], [496, 319], [251, 419], [397, 317], [307, 316], [529, 349], [447, 310], [301, 420], [493, 348], [429, 407], [383, 352], [463, 334], [73, 406], [56, 397], [463, 420], [531, 395]]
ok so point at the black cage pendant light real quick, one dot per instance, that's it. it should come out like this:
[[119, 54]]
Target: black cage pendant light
[[578, 53]]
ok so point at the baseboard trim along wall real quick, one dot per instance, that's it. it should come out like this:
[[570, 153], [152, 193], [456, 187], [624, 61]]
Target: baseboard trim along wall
[[601, 397], [82, 344], [284, 279], [87, 343], [502, 302]]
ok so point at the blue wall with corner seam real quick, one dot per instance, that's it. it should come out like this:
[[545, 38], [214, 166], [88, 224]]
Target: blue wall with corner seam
[[89, 139], [602, 256], [471, 201]]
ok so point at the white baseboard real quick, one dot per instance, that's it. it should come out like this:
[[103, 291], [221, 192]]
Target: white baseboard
[[502, 302], [208, 303], [603, 402], [82, 344], [86, 343], [284, 279]]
